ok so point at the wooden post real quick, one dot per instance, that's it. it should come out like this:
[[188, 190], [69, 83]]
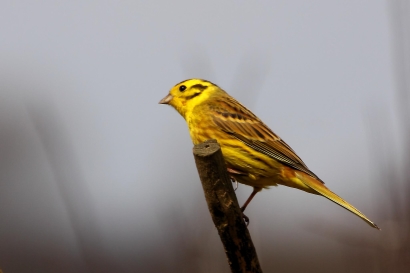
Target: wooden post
[[224, 208]]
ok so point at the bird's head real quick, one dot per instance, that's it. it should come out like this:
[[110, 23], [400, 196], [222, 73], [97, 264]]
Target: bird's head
[[185, 95]]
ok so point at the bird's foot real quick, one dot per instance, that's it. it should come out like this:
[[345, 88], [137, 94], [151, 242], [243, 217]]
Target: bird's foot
[[245, 218], [236, 183], [232, 171]]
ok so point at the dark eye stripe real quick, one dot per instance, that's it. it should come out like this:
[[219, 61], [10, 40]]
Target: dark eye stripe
[[199, 86], [193, 96]]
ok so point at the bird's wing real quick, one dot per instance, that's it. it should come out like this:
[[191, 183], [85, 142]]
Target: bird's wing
[[236, 120]]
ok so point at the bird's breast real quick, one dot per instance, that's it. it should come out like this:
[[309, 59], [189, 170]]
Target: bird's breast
[[201, 128]]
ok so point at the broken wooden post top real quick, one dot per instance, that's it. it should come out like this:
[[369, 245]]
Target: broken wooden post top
[[206, 148]]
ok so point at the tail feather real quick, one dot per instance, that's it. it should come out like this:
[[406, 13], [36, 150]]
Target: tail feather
[[324, 191]]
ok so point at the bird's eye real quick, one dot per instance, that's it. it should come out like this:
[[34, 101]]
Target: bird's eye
[[182, 88]]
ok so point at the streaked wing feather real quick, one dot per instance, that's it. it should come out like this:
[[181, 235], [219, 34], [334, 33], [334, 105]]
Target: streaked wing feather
[[236, 120]]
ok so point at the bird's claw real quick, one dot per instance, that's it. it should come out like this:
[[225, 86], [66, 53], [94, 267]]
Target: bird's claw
[[245, 218], [236, 183]]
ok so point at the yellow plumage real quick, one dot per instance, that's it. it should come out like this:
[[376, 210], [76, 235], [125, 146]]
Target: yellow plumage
[[254, 155]]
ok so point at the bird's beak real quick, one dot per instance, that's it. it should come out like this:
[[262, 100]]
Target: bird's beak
[[166, 100]]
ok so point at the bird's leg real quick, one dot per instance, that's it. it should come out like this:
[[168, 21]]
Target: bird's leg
[[254, 192], [233, 180]]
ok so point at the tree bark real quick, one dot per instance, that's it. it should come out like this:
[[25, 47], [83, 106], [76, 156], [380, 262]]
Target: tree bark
[[224, 208]]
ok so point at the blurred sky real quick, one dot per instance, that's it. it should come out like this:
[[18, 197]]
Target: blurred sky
[[80, 83]]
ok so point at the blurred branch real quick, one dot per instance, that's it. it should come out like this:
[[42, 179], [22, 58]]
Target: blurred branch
[[400, 28], [72, 187], [224, 208]]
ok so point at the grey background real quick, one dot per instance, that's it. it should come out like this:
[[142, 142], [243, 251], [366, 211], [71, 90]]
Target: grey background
[[95, 176]]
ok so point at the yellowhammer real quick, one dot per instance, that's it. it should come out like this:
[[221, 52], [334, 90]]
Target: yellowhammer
[[254, 155]]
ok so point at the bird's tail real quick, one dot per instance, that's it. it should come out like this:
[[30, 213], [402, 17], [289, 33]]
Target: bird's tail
[[321, 189]]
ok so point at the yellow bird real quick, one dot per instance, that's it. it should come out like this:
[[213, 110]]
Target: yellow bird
[[254, 155]]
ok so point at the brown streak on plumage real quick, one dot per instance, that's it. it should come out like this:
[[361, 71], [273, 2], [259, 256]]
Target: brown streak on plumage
[[254, 133]]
